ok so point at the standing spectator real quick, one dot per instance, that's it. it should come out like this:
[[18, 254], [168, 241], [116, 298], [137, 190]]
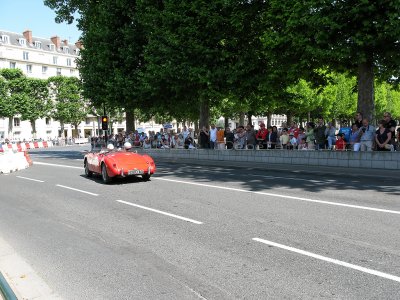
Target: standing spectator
[[251, 140], [261, 135], [213, 136], [330, 133], [185, 132], [383, 137], [398, 138], [284, 138], [204, 138], [310, 135], [319, 132], [301, 135], [240, 137], [303, 144], [358, 120], [294, 128], [367, 133], [355, 138], [340, 143], [391, 125], [272, 137], [220, 139], [230, 138], [292, 141]]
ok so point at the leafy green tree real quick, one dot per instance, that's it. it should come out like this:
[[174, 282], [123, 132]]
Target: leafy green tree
[[8, 103], [69, 104], [359, 37]]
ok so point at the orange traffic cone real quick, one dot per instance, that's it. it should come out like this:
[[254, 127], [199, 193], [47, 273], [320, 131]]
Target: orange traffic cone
[[28, 158]]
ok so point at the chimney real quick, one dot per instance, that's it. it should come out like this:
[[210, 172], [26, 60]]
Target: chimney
[[65, 42], [28, 36], [56, 41], [79, 45]]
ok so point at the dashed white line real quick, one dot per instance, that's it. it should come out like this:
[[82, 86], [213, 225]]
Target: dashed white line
[[283, 196], [31, 179], [161, 212], [57, 165], [330, 260], [77, 190]]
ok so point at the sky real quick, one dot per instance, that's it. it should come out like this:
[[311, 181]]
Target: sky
[[19, 15]]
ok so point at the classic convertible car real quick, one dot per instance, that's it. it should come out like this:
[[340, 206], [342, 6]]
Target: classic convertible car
[[118, 163]]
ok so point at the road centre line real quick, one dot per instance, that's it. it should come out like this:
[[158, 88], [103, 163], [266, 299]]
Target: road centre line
[[330, 260], [77, 190], [31, 179], [283, 196], [57, 165], [161, 212]]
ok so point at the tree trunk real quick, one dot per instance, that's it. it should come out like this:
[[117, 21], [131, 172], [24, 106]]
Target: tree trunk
[[130, 121], [269, 119], [62, 129], [10, 127], [226, 121], [33, 124], [289, 118], [365, 85], [204, 113], [249, 115], [309, 117], [241, 118]]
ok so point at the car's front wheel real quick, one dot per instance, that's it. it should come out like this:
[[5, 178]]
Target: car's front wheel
[[104, 174], [146, 177], [88, 173]]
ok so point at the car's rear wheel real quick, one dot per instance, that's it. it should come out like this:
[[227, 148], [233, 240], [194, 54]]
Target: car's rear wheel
[[146, 177], [88, 173], [104, 174]]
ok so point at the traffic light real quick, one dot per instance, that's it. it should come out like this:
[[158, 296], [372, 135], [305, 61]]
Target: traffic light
[[104, 122]]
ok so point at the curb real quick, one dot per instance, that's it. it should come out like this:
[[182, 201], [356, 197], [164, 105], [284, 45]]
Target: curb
[[6, 290]]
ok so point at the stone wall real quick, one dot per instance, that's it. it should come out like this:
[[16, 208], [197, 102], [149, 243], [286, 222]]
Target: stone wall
[[345, 159]]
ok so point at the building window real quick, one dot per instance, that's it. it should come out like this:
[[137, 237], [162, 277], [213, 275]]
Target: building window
[[68, 62], [22, 42], [44, 69], [58, 71], [38, 45], [48, 121], [28, 68], [87, 121], [66, 50], [71, 72], [26, 55], [52, 47], [55, 60], [5, 39], [17, 122], [12, 64], [77, 51]]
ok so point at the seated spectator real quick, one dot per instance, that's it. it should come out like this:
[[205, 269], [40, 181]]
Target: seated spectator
[[383, 137], [146, 143], [230, 138], [189, 143], [292, 141], [177, 142], [303, 144], [391, 125], [284, 138], [240, 138], [367, 133], [330, 133], [355, 138], [340, 143]]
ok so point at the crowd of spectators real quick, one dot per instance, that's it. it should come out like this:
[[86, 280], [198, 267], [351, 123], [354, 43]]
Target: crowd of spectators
[[360, 136]]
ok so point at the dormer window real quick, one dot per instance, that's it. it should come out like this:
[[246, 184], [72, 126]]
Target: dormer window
[[77, 51], [5, 39], [22, 42], [38, 45], [52, 47], [66, 50]]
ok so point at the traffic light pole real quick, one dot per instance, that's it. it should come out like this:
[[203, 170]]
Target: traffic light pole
[[106, 132]]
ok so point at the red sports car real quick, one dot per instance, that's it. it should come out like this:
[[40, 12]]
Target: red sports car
[[118, 164]]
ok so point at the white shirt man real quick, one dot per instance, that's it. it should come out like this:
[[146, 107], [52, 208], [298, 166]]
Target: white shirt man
[[213, 136], [185, 132]]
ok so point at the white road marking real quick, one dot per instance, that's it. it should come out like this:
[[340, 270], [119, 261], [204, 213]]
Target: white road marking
[[331, 260], [56, 165], [29, 179], [161, 212], [77, 190], [283, 196]]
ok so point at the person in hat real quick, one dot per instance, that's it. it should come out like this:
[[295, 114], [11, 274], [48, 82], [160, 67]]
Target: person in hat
[[340, 143]]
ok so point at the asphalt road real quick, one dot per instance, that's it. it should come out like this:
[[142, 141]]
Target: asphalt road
[[203, 232]]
